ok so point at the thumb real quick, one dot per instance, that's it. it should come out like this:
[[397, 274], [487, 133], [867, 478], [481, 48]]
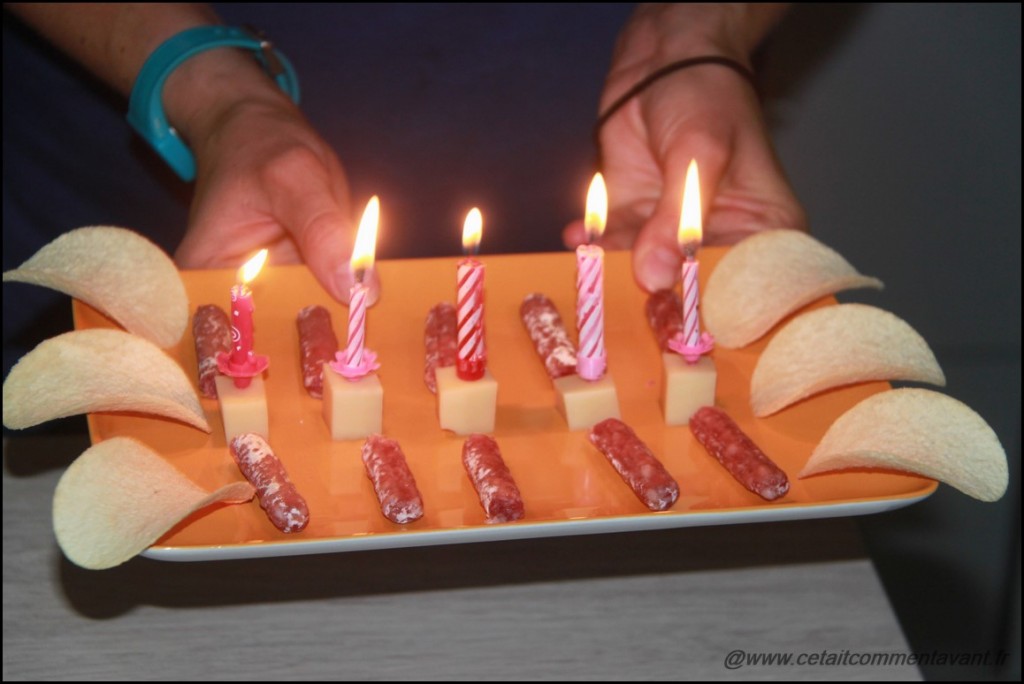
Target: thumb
[[320, 223], [656, 254]]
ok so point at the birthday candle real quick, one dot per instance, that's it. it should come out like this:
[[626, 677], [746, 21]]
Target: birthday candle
[[691, 343], [242, 364], [356, 324], [592, 357], [690, 228], [472, 354]]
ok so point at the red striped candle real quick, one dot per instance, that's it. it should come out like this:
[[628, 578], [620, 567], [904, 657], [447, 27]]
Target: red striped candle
[[472, 353], [592, 359]]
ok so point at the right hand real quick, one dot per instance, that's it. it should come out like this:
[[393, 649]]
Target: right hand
[[265, 178]]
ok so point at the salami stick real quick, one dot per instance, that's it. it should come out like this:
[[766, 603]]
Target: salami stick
[[439, 338], [211, 331], [492, 479], [400, 500], [635, 463], [282, 502], [317, 346], [665, 315], [724, 440], [550, 339]]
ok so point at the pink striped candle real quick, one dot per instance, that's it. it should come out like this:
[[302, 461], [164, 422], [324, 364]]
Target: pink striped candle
[[592, 359], [691, 307], [471, 361], [356, 324], [691, 343], [356, 361]]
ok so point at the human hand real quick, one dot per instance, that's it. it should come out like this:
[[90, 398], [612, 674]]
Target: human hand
[[708, 113], [265, 178]]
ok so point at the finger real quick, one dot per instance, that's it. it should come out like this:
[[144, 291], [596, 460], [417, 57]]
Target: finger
[[656, 254], [309, 197], [574, 234]]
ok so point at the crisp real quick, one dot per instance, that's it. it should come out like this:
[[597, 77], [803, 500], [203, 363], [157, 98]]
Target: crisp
[[119, 497], [98, 370], [838, 345], [918, 431], [766, 277], [117, 271]]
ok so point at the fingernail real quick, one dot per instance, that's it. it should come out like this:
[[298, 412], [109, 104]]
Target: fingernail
[[658, 269], [342, 284]]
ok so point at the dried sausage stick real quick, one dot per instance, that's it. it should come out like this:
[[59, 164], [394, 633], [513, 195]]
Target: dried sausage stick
[[635, 463], [282, 502], [492, 479], [211, 331], [724, 440], [317, 346], [439, 337], [545, 327], [665, 315], [400, 500]]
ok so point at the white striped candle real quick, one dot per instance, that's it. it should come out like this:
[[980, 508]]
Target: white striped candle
[[356, 325], [690, 233], [357, 361], [471, 360], [691, 302]]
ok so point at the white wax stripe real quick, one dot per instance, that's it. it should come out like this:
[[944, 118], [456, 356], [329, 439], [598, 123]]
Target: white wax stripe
[[356, 326], [691, 317]]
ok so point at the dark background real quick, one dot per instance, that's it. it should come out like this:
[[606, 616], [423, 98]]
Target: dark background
[[899, 126]]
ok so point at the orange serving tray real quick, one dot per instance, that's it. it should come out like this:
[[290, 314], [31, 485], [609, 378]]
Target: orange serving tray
[[568, 487]]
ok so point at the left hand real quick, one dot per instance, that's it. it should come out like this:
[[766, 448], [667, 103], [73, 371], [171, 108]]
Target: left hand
[[708, 113]]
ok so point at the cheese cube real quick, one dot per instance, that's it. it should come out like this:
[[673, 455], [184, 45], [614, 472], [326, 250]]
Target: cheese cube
[[686, 387], [243, 410], [353, 409], [584, 403], [466, 406]]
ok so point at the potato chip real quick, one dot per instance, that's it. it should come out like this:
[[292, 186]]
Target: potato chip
[[93, 370], [918, 431], [768, 276], [838, 345], [119, 497], [117, 271]]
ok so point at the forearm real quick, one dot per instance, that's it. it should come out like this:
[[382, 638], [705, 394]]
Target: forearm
[[113, 41], [658, 34]]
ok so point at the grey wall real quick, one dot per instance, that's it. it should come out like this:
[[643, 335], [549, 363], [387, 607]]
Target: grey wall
[[900, 127]]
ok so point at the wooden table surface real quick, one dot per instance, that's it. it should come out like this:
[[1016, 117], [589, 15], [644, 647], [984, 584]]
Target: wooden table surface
[[677, 604]]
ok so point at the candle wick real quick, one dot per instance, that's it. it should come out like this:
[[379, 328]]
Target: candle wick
[[690, 250]]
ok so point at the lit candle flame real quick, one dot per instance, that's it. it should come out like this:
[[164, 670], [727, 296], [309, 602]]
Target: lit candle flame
[[690, 227], [597, 208], [472, 230], [252, 267], [366, 239]]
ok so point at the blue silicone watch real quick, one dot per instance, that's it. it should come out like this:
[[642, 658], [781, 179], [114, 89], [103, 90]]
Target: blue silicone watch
[[145, 107]]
